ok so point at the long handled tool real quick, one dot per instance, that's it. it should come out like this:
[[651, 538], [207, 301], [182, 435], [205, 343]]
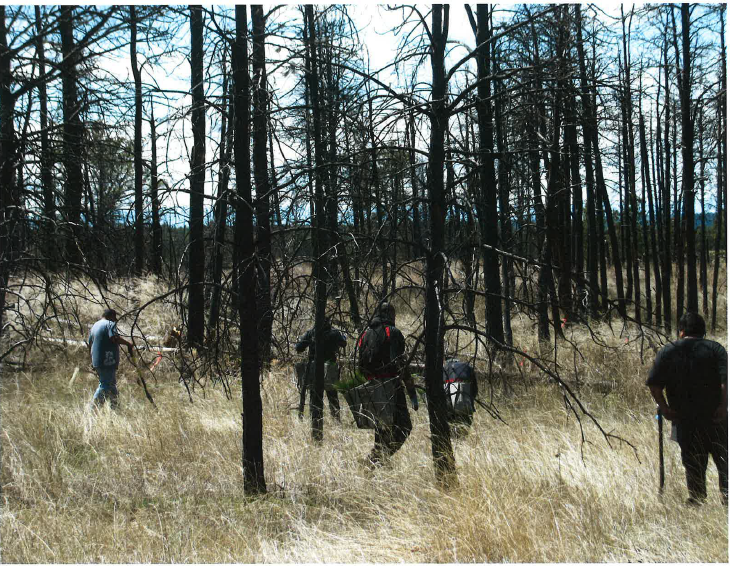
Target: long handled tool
[[660, 421], [140, 379]]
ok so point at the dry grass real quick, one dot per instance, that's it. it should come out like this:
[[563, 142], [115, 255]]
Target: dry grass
[[141, 485]]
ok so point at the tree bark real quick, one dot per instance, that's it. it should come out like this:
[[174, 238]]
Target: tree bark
[[220, 215], [320, 302], [593, 289], [46, 158], [261, 179], [137, 150], [7, 162], [721, 168], [688, 176], [487, 207], [441, 448], [252, 453], [73, 133], [666, 204], [155, 197]]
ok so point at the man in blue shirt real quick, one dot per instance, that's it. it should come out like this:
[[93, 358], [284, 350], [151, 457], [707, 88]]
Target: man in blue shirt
[[104, 343]]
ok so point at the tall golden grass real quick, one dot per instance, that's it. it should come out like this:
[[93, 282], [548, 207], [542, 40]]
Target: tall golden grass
[[165, 485]]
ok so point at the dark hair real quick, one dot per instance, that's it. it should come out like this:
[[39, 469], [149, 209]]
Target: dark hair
[[692, 324], [109, 314], [386, 310]]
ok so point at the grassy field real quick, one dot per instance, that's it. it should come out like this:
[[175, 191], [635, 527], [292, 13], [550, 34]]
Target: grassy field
[[146, 485]]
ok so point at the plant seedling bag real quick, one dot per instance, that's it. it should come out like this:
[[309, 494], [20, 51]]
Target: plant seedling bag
[[305, 375], [377, 402], [352, 396]]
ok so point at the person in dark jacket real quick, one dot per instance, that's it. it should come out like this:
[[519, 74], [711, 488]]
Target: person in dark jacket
[[387, 362], [332, 342], [693, 372]]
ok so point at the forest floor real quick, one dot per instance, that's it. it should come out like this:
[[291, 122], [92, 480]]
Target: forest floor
[[165, 485]]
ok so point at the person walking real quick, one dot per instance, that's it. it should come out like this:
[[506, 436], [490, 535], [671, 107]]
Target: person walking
[[103, 342], [381, 355], [332, 341], [693, 372]]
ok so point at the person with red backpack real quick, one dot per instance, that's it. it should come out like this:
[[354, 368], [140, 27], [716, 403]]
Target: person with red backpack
[[381, 355]]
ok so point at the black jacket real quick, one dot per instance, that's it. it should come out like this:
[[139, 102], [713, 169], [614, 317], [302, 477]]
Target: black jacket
[[333, 340]]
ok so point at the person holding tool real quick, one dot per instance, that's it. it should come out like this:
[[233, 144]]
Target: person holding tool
[[693, 372], [103, 343], [332, 341]]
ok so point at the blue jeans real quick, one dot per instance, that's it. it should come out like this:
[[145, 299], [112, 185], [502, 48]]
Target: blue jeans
[[107, 386]]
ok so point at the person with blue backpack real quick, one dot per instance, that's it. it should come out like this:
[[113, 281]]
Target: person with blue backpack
[[381, 356]]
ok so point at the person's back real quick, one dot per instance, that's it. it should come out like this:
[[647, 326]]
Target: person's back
[[380, 348], [381, 356], [103, 344], [693, 372], [104, 352], [332, 341], [691, 369]]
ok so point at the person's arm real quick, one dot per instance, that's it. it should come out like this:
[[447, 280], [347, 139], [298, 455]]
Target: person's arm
[[117, 339], [304, 342], [721, 412], [658, 393]]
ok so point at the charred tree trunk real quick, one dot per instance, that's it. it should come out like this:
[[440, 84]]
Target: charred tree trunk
[[666, 204], [721, 169], [688, 176], [220, 215], [46, 159], [703, 227], [155, 197], [73, 132], [7, 163], [320, 302], [196, 251], [441, 448], [261, 179], [487, 208], [587, 126], [137, 150], [252, 453], [648, 228]]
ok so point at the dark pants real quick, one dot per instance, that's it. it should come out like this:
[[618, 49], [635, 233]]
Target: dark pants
[[697, 443], [388, 440], [334, 402]]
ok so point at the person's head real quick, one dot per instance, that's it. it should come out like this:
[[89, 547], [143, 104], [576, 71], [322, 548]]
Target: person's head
[[386, 311], [327, 323], [691, 324], [110, 314]]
